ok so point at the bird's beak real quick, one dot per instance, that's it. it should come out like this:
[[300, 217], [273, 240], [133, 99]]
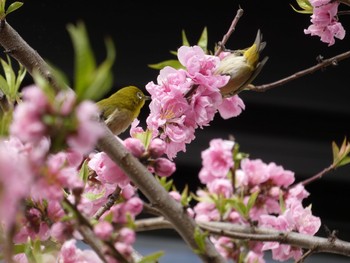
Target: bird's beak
[[147, 97]]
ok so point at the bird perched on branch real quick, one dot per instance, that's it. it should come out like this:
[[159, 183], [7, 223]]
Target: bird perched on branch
[[242, 66], [121, 108]]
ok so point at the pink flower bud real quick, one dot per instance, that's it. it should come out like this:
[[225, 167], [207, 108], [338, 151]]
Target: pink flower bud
[[164, 167], [103, 230], [135, 146], [157, 147]]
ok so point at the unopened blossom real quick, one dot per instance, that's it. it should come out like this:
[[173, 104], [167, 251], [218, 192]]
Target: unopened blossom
[[135, 146], [164, 167], [103, 230], [27, 122], [89, 129], [70, 253], [157, 148]]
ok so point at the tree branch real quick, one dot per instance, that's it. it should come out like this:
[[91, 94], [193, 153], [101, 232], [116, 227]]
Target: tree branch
[[324, 63], [156, 194], [150, 224], [314, 243], [231, 29], [19, 49]]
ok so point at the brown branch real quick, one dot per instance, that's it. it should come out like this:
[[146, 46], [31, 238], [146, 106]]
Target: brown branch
[[19, 49], [100, 247], [231, 29], [318, 175], [345, 2], [149, 224], [156, 194], [314, 243], [324, 63], [110, 202]]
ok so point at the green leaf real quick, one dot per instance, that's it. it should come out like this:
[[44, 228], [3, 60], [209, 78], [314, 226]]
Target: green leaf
[[163, 182], [184, 39], [152, 258], [14, 6], [91, 82], [84, 60], [251, 201], [102, 77], [306, 7], [10, 84], [203, 40], [199, 238], [171, 63], [4, 86], [344, 161], [94, 196], [84, 171], [335, 151]]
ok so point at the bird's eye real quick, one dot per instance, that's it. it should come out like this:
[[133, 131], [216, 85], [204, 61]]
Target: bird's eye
[[139, 95]]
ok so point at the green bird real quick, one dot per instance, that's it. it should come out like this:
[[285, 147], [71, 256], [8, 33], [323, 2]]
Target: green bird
[[121, 108]]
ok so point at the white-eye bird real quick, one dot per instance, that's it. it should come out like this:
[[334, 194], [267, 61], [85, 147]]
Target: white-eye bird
[[121, 108], [242, 66]]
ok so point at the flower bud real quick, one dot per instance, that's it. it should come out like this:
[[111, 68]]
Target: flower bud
[[157, 148], [164, 167], [135, 146]]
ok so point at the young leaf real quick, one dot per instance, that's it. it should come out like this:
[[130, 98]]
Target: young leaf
[[171, 63], [152, 258], [14, 6], [184, 39], [91, 82], [203, 40], [199, 238], [306, 7]]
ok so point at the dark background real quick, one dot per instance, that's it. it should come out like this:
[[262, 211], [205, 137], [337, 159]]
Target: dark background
[[292, 125]]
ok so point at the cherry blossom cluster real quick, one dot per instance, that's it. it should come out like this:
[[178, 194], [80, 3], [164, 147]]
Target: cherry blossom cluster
[[325, 22], [251, 192], [188, 98], [42, 165]]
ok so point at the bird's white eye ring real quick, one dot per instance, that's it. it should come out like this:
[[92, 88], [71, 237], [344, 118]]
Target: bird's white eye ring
[[139, 95]]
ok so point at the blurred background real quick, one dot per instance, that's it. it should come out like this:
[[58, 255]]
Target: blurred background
[[292, 125]]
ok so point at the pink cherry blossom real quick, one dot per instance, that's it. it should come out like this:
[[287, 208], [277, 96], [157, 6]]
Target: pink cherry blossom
[[325, 22], [216, 160], [231, 107], [107, 171], [16, 177]]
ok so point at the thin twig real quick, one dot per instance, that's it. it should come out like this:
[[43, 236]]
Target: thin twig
[[345, 2], [231, 29], [85, 229], [112, 198], [318, 175], [324, 63], [221, 45]]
